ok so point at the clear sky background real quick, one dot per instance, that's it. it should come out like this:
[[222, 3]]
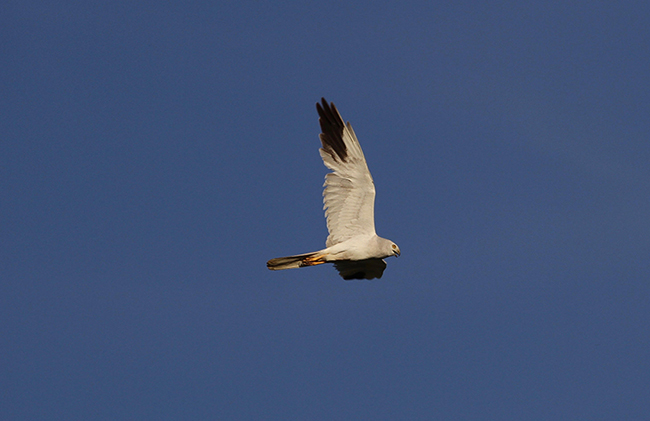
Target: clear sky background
[[154, 156]]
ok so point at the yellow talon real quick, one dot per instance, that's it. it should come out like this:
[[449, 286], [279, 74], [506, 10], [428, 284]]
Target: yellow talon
[[313, 260]]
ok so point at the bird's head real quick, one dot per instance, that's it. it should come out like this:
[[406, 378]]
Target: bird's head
[[395, 249]]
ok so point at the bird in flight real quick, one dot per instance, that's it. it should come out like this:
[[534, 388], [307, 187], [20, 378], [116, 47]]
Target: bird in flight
[[349, 201]]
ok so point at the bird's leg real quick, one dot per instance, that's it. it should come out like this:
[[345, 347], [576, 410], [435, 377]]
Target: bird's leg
[[317, 259]]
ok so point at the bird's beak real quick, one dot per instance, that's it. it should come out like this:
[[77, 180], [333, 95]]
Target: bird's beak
[[397, 253]]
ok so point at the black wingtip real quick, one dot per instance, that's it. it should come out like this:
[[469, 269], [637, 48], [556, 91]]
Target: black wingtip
[[324, 103], [332, 127]]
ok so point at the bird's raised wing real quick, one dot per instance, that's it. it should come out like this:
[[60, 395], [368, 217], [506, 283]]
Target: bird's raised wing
[[349, 195]]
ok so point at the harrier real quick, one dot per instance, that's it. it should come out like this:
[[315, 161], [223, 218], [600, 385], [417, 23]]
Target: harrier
[[349, 201]]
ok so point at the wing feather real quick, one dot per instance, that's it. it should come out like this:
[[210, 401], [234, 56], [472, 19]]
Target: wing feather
[[349, 194], [360, 269]]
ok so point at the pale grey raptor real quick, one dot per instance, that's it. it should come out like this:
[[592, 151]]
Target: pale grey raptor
[[349, 201]]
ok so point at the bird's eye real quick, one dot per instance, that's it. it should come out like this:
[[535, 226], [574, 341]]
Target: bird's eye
[[394, 246]]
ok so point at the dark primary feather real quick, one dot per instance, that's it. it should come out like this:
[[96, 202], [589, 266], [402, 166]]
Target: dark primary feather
[[360, 269], [332, 127]]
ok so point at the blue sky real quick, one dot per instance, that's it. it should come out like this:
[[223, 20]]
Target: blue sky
[[155, 155]]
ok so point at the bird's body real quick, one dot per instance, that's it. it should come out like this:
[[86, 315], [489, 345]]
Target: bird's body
[[349, 199]]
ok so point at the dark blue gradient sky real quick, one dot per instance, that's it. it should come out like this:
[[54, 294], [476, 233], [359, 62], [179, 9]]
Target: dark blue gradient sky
[[154, 155]]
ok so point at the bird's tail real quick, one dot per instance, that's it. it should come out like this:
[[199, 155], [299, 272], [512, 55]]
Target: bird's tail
[[297, 261]]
